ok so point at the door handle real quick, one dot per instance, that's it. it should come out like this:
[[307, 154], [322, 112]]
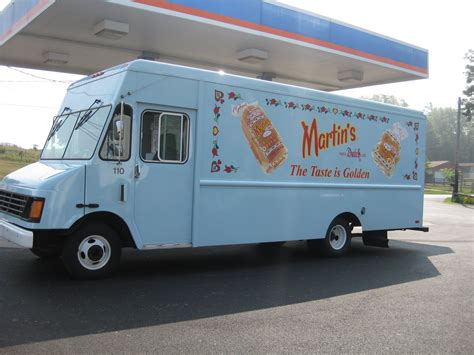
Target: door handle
[[138, 171], [90, 205]]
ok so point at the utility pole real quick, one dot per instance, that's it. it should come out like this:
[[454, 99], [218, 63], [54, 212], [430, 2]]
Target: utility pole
[[454, 197]]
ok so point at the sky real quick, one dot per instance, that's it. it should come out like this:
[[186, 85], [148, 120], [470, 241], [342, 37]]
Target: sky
[[28, 102]]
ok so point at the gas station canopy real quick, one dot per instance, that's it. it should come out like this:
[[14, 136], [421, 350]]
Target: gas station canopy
[[258, 38]]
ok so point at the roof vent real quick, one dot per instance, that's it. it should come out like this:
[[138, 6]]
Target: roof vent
[[55, 58], [109, 29], [252, 56], [350, 76]]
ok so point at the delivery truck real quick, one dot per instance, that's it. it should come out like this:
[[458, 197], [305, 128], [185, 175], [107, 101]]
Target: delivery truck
[[151, 155]]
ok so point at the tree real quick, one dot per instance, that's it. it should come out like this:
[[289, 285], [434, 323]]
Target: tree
[[441, 136], [448, 174], [468, 101], [387, 99]]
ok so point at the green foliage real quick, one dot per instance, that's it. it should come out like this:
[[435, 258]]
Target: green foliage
[[464, 200], [387, 99], [441, 136], [449, 175], [468, 102], [17, 154]]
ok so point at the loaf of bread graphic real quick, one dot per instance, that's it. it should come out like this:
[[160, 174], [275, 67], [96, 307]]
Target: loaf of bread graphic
[[386, 154], [262, 136]]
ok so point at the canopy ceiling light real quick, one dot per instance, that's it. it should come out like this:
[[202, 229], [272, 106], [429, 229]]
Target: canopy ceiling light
[[55, 58], [252, 56], [111, 29], [350, 76]]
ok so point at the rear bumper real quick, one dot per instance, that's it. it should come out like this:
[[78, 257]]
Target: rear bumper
[[15, 234]]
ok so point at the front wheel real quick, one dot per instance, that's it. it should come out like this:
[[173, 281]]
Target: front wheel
[[92, 252], [337, 241]]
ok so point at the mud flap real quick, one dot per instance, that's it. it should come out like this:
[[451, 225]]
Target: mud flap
[[375, 239]]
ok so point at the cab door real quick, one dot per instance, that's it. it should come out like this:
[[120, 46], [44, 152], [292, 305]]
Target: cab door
[[164, 176]]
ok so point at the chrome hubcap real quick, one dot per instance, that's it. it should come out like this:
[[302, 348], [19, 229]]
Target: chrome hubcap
[[94, 252], [337, 237]]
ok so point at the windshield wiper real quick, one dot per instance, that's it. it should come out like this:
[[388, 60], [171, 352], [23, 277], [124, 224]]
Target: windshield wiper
[[59, 122], [88, 114]]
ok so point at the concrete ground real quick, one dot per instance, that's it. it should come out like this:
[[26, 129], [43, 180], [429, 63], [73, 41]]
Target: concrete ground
[[415, 297]]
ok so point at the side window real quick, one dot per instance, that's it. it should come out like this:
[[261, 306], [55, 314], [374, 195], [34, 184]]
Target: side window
[[117, 141], [165, 137]]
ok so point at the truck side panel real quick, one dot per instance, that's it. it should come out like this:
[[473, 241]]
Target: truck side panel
[[367, 160]]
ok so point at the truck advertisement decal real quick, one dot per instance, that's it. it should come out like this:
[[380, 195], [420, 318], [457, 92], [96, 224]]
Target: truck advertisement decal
[[219, 99], [387, 151], [262, 136], [291, 139]]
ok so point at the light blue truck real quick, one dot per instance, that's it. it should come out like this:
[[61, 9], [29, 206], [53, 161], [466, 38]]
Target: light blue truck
[[150, 155]]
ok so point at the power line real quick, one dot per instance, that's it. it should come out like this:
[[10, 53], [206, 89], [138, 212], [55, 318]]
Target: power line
[[40, 77], [28, 106], [29, 81]]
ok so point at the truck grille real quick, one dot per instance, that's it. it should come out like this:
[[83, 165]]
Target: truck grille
[[14, 204]]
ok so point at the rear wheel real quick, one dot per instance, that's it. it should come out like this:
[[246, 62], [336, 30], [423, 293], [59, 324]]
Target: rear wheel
[[92, 252], [337, 241]]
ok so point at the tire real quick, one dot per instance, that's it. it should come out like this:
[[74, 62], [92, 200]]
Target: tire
[[337, 241], [48, 253], [92, 252]]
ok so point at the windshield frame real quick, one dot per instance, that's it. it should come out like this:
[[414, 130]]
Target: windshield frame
[[79, 114]]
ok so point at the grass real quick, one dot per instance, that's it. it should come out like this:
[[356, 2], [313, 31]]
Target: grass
[[14, 153], [440, 189], [7, 166], [13, 158], [464, 201], [436, 192]]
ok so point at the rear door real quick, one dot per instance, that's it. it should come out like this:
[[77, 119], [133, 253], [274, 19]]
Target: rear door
[[164, 178]]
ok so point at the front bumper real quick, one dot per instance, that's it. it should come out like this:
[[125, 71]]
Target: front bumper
[[15, 234]]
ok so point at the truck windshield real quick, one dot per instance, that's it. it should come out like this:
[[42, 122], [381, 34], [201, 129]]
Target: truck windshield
[[75, 135]]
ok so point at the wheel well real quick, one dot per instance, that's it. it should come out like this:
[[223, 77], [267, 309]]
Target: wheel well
[[351, 218], [113, 221]]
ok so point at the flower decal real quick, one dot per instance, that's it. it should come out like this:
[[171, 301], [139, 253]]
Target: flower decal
[[323, 109], [273, 102], [230, 169], [216, 111], [292, 105], [215, 149], [234, 96], [216, 166], [346, 113], [415, 126]]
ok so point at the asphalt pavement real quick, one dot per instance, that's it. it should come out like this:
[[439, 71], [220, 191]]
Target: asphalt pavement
[[417, 296]]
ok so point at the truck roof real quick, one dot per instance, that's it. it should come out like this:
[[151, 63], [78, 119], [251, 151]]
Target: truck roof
[[174, 70]]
